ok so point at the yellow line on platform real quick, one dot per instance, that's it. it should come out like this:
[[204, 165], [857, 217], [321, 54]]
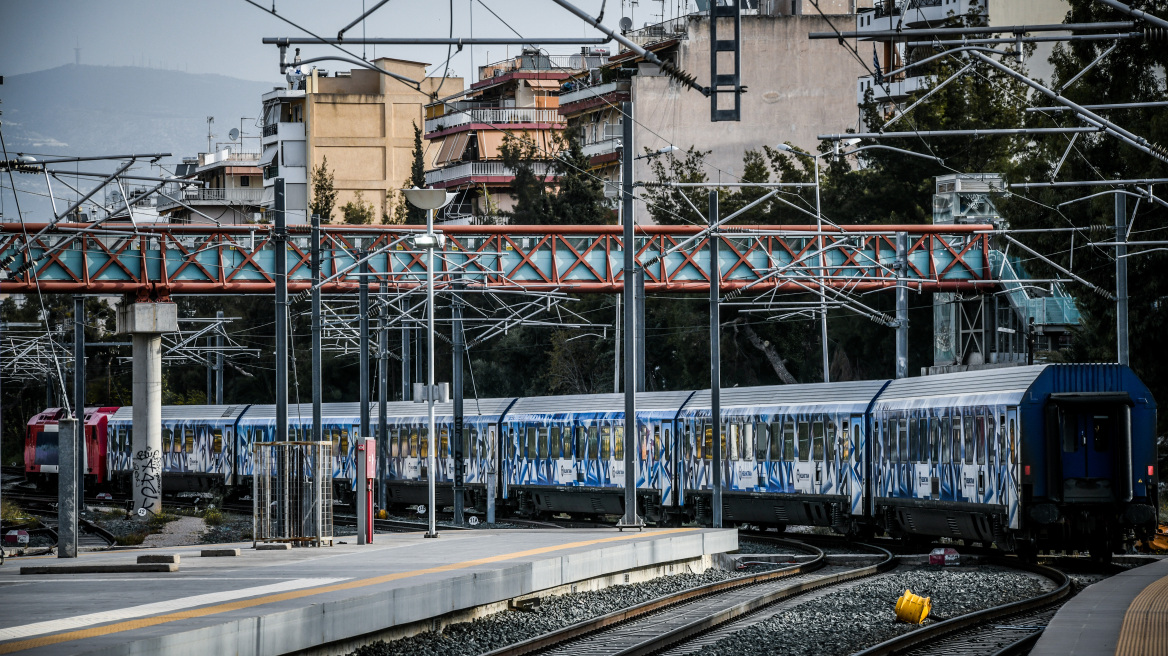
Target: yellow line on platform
[[131, 625], [1145, 624]]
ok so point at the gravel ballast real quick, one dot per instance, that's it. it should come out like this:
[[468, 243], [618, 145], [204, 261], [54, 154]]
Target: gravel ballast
[[862, 614], [508, 627]]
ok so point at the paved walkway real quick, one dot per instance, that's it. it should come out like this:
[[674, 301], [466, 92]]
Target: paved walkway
[[274, 602]]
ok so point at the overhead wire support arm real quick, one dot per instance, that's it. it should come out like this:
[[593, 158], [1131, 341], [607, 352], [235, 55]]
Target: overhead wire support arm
[[439, 41], [1140, 143], [1095, 288], [363, 16], [669, 69], [995, 29], [995, 132], [1027, 39], [1142, 15]]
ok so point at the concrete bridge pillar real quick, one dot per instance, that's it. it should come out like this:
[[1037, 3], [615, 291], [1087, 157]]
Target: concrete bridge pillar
[[145, 323]]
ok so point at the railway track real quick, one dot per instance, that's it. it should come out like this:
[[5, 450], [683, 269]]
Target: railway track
[[662, 623], [1004, 629]]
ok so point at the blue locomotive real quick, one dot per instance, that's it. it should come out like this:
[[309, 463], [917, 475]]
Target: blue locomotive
[[1055, 456]]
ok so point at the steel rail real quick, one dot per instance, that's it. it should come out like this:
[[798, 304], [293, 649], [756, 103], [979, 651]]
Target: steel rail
[[693, 628], [939, 630]]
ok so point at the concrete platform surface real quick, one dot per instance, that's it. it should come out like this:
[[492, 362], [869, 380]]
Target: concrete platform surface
[[273, 602], [1118, 615]]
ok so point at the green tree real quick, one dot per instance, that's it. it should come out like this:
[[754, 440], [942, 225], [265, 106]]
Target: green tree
[[579, 199], [533, 200], [358, 211], [414, 215], [666, 205], [324, 192]]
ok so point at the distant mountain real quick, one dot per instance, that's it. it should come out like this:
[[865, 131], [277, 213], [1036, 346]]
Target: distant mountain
[[101, 110]]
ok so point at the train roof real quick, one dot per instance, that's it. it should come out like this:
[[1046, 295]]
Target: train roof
[[597, 403], [853, 395], [470, 407], [982, 387], [188, 412]]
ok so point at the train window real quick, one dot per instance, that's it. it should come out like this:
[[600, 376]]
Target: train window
[[1070, 432], [914, 441], [708, 441], [830, 443], [335, 434], [554, 447], [474, 442], [1014, 442], [934, 443], [946, 441], [543, 442], [424, 441], [761, 441], [658, 447], [593, 443], [618, 443], [733, 437], [817, 440], [605, 442], [902, 431], [414, 442], [527, 446], [580, 449], [667, 443], [1001, 439], [789, 441], [1102, 429], [980, 445], [923, 441], [566, 450], [748, 439], [443, 442], [967, 430], [845, 440], [804, 441], [776, 441], [217, 440]]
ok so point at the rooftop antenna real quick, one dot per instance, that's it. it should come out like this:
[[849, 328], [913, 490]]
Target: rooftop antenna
[[210, 120]]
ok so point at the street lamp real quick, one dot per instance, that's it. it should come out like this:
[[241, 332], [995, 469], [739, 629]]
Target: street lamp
[[429, 200]]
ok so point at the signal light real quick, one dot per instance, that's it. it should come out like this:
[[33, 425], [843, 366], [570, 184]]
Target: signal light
[[1151, 470], [1027, 470]]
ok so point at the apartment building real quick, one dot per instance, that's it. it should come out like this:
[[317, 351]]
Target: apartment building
[[360, 120], [894, 54], [230, 194], [517, 96], [797, 89]]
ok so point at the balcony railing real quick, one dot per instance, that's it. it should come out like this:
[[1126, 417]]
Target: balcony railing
[[596, 91], [286, 129], [473, 170], [602, 147], [493, 116], [272, 171], [531, 62], [270, 129]]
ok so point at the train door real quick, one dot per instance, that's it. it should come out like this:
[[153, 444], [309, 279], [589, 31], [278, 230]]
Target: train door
[[616, 454], [852, 441], [803, 467], [491, 475], [666, 464], [560, 443], [919, 452], [968, 469], [1010, 457], [1089, 437]]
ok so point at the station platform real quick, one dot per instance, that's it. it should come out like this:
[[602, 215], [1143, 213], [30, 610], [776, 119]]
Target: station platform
[[1125, 615], [276, 602]]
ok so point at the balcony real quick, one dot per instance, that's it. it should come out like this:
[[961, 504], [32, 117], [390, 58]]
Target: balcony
[[285, 131], [898, 89], [596, 91], [476, 171], [602, 147], [534, 62], [492, 116], [674, 28]]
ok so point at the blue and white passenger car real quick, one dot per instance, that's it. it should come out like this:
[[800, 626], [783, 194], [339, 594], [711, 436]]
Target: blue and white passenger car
[[791, 454], [198, 445]]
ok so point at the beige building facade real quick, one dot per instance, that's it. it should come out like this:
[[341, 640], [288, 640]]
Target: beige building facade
[[361, 122]]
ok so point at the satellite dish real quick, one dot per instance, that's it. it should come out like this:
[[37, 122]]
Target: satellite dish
[[234, 134], [626, 24]]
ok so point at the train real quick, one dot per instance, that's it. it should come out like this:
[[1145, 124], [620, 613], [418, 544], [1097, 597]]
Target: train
[[1056, 456]]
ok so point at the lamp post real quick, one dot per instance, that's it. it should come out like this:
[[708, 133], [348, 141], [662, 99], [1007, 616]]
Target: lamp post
[[429, 200]]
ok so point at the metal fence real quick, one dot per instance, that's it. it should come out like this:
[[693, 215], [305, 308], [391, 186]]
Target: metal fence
[[293, 493]]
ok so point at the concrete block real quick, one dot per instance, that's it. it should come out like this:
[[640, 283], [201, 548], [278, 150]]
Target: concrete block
[[218, 553], [158, 558], [147, 318], [274, 546], [126, 568]]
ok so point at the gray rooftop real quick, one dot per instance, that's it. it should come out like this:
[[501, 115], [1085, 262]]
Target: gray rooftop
[[985, 381]]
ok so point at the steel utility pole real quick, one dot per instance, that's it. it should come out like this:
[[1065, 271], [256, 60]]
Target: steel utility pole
[[459, 352], [219, 359], [630, 518], [407, 378], [79, 393], [901, 305], [1121, 333], [280, 271], [317, 391], [363, 343], [715, 365], [383, 394]]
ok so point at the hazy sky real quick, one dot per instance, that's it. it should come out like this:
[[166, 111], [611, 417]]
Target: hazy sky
[[223, 36]]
